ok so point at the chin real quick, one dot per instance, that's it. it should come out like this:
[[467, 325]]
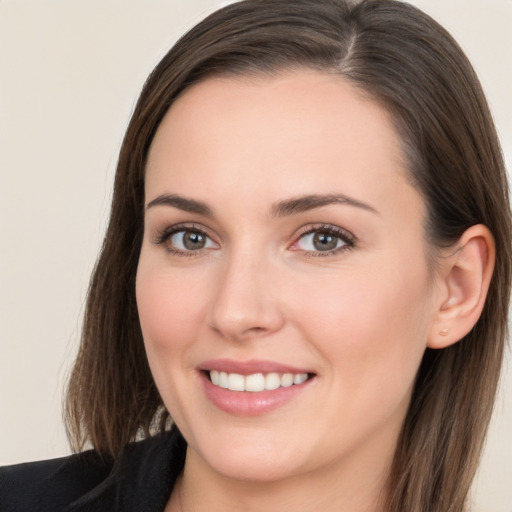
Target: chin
[[250, 456], [256, 469]]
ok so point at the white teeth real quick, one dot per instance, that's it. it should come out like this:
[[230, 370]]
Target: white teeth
[[236, 382], [272, 381], [287, 380], [223, 380], [299, 378], [256, 382]]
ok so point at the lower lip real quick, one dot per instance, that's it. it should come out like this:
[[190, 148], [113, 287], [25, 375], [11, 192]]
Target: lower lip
[[247, 403]]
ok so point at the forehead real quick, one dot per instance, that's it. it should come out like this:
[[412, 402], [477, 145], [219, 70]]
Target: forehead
[[309, 105], [300, 132]]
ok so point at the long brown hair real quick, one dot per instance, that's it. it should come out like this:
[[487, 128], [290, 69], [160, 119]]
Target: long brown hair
[[405, 61]]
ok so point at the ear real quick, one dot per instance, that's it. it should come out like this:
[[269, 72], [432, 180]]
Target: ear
[[465, 276]]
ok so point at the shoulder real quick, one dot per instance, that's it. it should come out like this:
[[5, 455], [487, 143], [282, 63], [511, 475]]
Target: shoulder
[[87, 482], [50, 484]]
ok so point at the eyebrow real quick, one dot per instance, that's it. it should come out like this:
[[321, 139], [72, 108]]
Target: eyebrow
[[182, 203], [284, 208], [309, 202]]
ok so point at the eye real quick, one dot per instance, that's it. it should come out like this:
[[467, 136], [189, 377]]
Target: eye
[[184, 241], [326, 240], [188, 240]]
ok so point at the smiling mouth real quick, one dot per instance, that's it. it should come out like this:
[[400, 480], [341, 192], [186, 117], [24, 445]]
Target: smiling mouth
[[256, 382]]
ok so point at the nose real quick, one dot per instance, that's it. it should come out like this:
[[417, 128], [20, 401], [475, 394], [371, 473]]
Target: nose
[[245, 302]]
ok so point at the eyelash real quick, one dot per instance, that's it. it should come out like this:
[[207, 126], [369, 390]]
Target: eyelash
[[165, 235], [348, 239]]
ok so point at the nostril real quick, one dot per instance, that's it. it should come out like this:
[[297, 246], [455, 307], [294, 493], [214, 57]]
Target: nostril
[[256, 329]]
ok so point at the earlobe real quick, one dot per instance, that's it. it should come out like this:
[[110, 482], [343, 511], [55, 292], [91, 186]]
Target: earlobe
[[466, 275]]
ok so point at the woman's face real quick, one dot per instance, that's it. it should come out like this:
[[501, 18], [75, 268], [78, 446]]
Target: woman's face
[[283, 242]]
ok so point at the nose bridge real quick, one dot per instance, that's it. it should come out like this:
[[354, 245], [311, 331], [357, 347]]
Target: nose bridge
[[245, 302]]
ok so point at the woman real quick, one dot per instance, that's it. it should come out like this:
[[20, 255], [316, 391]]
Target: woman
[[307, 267]]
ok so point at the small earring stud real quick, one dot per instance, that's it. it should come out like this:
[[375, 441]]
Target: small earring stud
[[443, 332], [450, 302]]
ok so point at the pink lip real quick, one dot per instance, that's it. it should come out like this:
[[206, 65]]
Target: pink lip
[[245, 403], [248, 367]]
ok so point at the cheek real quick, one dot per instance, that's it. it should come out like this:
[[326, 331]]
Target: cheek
[[168, 312], [372, 328]]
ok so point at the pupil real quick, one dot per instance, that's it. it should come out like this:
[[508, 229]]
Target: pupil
[[193, 240], [324, 241]]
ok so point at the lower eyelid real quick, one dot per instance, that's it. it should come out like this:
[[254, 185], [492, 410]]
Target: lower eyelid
[[334, 252]]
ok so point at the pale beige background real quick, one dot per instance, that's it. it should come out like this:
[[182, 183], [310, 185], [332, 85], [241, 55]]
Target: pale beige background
[[70, 72]]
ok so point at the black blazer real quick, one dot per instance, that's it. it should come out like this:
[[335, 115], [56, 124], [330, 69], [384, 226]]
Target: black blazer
[[141, 480]]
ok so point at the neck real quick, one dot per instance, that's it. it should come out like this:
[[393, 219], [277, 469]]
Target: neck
[[349, 487]]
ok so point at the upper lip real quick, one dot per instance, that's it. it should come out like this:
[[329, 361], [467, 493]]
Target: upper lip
[[249, 367]]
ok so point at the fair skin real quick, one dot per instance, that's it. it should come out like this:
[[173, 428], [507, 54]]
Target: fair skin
[[246, 276]]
